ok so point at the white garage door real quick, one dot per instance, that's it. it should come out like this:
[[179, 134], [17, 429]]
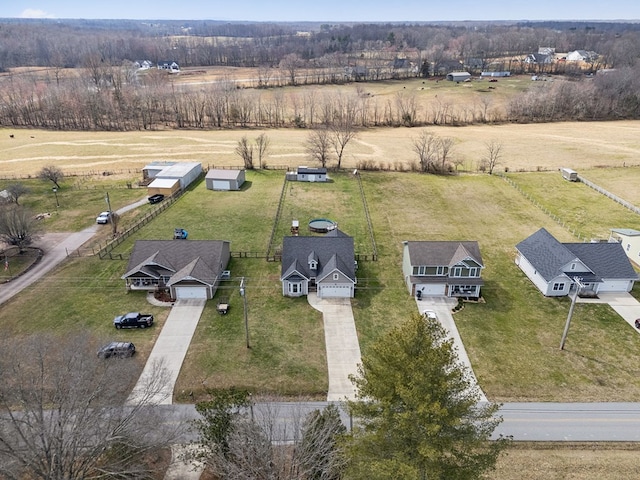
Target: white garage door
[[335, 291], [191, 292], [221, 185], [431, 290], [614, 286]]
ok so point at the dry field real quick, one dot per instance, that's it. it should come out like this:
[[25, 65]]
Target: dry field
[[525, 147]]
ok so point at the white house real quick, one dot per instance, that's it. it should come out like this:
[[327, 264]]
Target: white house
[[630, 241], [553, 267]]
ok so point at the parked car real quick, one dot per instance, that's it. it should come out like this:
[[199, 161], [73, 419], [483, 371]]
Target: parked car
[[133, 320], [103, 217], [637, 322], [430, 314], [117, 349], [157, 198]]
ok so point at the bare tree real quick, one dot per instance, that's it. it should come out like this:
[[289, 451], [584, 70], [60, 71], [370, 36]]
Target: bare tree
[[426, 147], [262, 147], [343, 125], [52, 173], [290, 63], [63, 414], [245, 150], [15, 191], [445, 146], [318, 145], [18, 226], [114, 218], [492, 156]]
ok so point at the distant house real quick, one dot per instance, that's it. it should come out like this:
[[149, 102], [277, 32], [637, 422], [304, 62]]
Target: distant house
[[323, 264], [220, 179], [538, 59], [308, 174], [547, 50], [630, 241], [458, 76], [171, 177], [187, 268], [358, 72], [143, 64], [442, 268], [553, 267], [581, 56], [169, 65]]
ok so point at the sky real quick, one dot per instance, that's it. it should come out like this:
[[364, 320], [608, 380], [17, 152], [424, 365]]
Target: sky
[[325, 10]]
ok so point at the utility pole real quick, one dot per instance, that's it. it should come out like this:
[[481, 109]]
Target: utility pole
[[579, 285], [106, 199], [243, 294]]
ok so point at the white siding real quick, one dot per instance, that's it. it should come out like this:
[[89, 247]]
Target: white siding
[[536, 278], [191, 292], [615, 286]]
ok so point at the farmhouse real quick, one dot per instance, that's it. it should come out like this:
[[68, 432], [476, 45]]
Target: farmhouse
[[553, 266], [581, 56], [323, 264], [220, 179], [171, 177], [630, 241], [441, 268], [308, 174], [188, 269], [458, 76], [170, 65]]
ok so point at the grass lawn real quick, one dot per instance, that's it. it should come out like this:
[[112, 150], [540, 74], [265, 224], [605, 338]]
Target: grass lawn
[[512, 339]]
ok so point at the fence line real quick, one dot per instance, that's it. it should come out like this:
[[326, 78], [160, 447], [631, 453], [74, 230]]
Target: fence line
[[545, 210], [613, 197], [277, 219], [368, 217]]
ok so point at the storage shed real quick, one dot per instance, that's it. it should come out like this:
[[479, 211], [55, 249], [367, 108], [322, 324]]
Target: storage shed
[[458, 76], [185, 172], [308, 174], [219, 179], [163, 186]]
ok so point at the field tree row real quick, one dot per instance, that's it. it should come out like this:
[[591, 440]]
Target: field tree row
[[87, 104]]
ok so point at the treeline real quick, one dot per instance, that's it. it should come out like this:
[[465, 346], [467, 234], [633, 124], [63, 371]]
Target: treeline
[[68, 43], [82, 104]]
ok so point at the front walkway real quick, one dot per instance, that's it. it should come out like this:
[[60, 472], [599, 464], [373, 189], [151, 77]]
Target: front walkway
[[443, 306], [341, 341], [168, 353]]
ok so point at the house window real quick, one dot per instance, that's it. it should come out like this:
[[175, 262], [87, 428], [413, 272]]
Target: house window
[[294, 288], [422, 270], [336, 276], [573, 266], [558, 287], [473, 272], [457, 271], [440, 271]]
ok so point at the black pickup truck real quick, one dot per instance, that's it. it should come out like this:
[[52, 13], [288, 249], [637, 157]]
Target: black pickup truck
[[133, 320]]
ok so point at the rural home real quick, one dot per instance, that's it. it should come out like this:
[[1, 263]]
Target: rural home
[[553, 266], [323, 264], [308, 174], [187, 268], [630, 241], [581, 56], [219, 179], [458, 76], [538, 59], [442, 268], [172, 177], [170, 65]]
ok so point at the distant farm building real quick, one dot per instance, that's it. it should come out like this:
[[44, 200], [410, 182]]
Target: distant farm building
[[219, 179], [458, 76], [308, 174], [495, 74]]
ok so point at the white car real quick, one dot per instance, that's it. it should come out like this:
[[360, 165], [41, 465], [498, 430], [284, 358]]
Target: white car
[[430, 314], [103, 218]]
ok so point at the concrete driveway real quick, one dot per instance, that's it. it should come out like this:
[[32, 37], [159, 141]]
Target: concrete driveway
[[442, 306], [341, 341], [169, 352]]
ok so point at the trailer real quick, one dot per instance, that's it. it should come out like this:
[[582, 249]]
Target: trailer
[[570, 175]]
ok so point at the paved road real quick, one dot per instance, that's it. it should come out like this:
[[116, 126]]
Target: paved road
[[341, 343]]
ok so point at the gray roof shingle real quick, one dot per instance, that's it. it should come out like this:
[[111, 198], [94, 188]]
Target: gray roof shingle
[[437, 253], [334, 250]]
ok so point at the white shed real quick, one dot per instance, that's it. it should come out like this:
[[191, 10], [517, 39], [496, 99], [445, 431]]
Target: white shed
[[219, 179], [458, 76], [185, 172]]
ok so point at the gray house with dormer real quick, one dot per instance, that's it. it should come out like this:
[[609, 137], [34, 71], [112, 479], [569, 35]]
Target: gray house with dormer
[[442, 268], [324, 264], [553, 267]]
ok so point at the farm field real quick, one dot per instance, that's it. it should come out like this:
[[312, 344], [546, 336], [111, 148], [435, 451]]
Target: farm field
[[512, 339], [533, 147]]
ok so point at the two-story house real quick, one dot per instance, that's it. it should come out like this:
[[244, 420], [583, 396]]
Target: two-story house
[[442, 268]]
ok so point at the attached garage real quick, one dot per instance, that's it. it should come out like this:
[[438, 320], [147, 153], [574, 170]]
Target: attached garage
[[432, 289], [335, 291], [615, 286], [225, 180], [190, 292]]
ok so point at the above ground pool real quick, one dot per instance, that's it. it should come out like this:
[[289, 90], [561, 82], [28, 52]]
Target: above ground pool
[[322, 225]]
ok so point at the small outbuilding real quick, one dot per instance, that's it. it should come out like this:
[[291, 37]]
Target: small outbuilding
[[219, 179], [458, 76], [570, 175], [171, 177], [309, 174]]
